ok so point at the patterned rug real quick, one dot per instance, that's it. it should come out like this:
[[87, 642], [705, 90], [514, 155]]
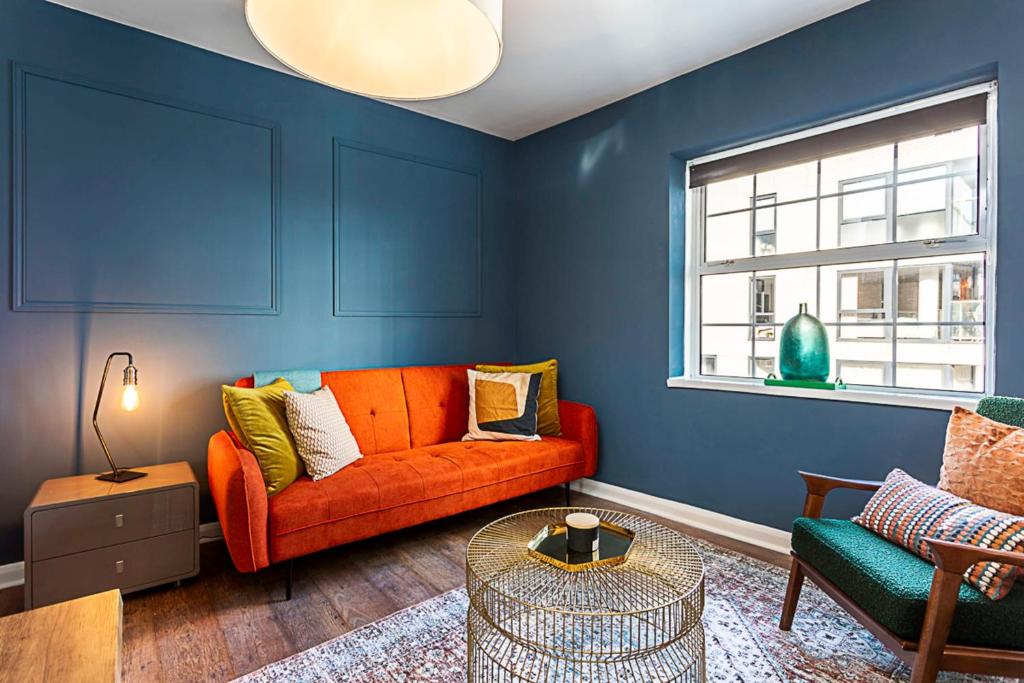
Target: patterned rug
[[426, 643]]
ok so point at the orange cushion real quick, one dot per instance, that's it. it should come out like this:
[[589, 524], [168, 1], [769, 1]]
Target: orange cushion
[[438, 400], [984, 462], [373, 402]]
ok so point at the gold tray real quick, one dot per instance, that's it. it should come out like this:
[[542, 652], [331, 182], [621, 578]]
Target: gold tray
[[551, 545]]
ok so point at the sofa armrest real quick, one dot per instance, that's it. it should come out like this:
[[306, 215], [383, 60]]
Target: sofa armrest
[[579, 423], [238, 491], [819, 485]]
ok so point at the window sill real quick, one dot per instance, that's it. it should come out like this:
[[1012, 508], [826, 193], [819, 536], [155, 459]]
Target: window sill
[[892, 398]]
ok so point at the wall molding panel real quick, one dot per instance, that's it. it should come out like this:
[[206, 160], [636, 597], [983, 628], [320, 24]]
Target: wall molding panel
[[410, 227], [145, 180]]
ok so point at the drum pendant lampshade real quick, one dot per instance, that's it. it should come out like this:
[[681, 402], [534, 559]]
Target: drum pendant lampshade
[[387, 49]]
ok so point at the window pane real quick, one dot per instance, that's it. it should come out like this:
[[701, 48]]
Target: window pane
[[790, 183], [729, 195], [942, 290], [727, 237], [859, 351], [958, 149], [797, 228], [848, 221], [725, 298], [948, 204], [765, 225], [731, 348], [854, 294], [838, 170], [791, 287], [936, 208], [866, 372]]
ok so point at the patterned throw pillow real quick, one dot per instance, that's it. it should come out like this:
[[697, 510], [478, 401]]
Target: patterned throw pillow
[[907, 511], [984, 462], [548, 423], [503, 406], [322, 436], [986, 528]]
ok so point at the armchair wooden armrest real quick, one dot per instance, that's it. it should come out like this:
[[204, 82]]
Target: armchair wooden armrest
[[951, 561], [819, 485]]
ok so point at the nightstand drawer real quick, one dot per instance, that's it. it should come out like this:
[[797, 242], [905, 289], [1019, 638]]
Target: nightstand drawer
[[96, 524], [128, 566]]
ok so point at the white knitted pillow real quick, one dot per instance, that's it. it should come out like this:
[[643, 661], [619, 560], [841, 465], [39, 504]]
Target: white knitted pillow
[[322, 437]]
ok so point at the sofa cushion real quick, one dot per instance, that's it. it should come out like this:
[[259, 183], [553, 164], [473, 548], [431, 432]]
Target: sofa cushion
[[389, 480], [438, 402], [373, 402], [892, 585]]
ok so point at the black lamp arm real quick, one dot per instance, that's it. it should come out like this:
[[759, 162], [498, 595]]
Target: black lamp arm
[[96, 410]]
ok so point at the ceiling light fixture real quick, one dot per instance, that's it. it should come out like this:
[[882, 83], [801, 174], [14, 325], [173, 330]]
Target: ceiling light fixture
[[387, 49]]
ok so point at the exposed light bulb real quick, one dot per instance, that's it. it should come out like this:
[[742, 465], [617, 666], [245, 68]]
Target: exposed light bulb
[[130, 398]]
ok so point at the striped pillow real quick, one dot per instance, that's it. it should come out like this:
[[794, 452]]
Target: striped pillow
[[907, 511], [986, 528]]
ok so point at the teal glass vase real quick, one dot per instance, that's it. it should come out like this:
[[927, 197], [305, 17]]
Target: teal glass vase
[[803, 348]]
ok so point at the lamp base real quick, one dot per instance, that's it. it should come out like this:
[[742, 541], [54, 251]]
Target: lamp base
[[120, 476]]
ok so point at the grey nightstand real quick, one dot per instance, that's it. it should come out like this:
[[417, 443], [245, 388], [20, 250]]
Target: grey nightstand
[[85, 536]]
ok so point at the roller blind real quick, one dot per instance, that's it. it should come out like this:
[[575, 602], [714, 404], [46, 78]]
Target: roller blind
[[941, 118]]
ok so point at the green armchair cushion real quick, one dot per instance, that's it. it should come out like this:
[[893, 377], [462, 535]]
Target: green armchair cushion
[[892, 585]]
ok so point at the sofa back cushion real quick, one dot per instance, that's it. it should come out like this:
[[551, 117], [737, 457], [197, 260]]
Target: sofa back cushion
[[373, 402], [438, 403]]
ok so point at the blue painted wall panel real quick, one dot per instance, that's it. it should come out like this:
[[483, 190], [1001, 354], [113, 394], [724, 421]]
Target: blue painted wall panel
[[130, 202], [407, 235], [145, 169], [602, 286]]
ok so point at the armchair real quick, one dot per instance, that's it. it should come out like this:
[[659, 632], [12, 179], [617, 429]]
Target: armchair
[[932, 624]]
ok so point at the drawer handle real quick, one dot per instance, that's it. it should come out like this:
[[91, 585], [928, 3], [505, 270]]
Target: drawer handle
[[118, 520], [119, 567]]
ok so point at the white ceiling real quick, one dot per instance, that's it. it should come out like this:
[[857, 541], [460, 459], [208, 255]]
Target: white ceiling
[[562, 58]]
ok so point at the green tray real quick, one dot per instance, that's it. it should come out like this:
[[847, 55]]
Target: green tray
[[805, 384]]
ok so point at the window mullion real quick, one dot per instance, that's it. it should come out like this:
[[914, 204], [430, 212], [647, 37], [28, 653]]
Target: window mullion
[[893, 307]]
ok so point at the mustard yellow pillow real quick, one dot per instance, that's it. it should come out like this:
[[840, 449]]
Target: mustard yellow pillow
[[548, 423], [259, 419]]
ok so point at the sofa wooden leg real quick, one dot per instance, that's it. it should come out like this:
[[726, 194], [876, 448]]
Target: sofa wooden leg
[[568, 495], [288, 581], [796, 582]]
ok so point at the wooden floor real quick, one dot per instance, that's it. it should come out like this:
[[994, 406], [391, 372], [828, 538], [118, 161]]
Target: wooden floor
[[222, 624]]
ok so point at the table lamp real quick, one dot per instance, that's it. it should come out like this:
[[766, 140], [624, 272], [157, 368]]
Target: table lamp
[[129, 402]]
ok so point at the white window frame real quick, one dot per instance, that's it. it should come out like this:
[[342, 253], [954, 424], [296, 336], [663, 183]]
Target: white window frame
[[983, 242]]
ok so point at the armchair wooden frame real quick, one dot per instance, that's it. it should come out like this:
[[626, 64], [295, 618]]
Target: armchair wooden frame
[[931, 653]]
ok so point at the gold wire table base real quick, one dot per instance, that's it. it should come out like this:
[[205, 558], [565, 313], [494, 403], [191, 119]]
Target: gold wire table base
[[532, 622]]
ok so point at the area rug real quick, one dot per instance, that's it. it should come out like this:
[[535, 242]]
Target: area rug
[[426, 643]]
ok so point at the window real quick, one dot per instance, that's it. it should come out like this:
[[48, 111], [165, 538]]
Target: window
[[882, 225]]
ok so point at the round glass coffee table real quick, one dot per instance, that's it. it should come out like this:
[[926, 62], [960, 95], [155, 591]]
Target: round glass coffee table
[[537, 614]]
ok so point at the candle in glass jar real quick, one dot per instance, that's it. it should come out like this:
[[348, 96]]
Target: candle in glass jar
[[582, 532]]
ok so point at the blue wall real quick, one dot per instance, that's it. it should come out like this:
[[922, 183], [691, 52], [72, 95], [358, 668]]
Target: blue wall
[[594, 201], [183, 206]]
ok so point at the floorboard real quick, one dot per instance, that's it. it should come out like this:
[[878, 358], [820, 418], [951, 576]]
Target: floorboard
[[223, 624]]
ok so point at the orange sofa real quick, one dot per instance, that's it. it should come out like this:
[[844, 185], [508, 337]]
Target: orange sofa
[[408, 423]]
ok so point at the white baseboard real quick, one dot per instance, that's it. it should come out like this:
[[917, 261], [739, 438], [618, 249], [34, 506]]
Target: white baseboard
[[715, 522], [13, 574]]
